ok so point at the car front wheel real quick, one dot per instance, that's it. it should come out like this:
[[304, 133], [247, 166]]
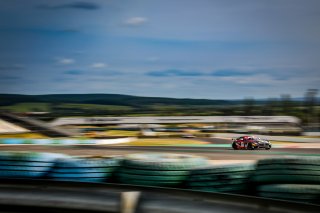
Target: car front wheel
[[268, 147]]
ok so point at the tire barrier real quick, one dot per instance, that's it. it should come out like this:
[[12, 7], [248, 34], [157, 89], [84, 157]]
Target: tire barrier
[[26, 164], [306, 193], [170, 170], [302, 170], [85, 169], [289, 178], [228, 179]]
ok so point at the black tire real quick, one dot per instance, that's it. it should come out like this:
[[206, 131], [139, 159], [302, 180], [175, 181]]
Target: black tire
[[269, 147], [87, 162], [226, 179], [234, 146], [292, 179], [290, 160], [293, 170], [22, 174], [222, 177], [220, 183], [236, 189], [153, 178], [294, 192], [300, 167], [26, 164], [223, 169], [173, 162], [85, 170], [288, 172], [158, 169], [127, 170], [150, 183], [79, 175], [30, 156], [25, 168], [96, 180]]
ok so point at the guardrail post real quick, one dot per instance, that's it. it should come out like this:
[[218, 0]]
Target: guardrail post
[[129, 201]]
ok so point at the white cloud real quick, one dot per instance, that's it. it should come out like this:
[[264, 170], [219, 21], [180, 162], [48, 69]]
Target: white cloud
[[252, 80], [66, 61], [99, 65], [135, 21]]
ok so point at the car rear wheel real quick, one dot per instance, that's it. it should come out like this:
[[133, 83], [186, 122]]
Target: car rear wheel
[[234, 146]]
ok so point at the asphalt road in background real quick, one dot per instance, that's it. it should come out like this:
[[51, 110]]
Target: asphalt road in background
[[215, 140], [213, 153]]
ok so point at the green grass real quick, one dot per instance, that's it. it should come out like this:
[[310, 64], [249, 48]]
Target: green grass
[[122, 133], [28, 107], [161, 107], [45, 107], [23, 135], [164, 142], [95, 107]]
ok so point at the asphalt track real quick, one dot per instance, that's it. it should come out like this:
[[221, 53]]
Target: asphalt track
[[213, 153]]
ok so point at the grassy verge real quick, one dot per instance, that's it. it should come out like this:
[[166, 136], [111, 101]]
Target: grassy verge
[[23, 135], [122, 133], [28, 107], [164, 142]]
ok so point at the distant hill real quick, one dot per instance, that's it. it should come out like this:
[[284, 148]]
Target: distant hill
[[106, 99], [60, 105]]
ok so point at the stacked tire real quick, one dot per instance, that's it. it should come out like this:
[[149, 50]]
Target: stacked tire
[[85, 169], [26, 164], [163, 170], [295, 179], [232, 179]]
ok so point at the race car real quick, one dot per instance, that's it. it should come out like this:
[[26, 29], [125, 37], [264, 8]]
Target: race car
[[251, 143]]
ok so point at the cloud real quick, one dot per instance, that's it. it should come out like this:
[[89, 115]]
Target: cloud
[[99, 65], [66, 61], [81, 5], [73, 72], [135, 21], [217, 73], [254, 80], [167, 73], [230, 72]]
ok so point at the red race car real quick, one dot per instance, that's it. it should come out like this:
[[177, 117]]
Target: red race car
[[250, 142]]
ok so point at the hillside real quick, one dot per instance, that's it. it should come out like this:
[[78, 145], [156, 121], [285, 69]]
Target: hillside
[[104, 99], [59, 105]]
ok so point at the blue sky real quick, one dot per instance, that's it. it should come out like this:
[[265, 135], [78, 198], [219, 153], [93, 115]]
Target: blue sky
[[217, 49]]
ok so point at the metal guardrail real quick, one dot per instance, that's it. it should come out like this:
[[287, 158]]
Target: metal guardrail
[[174, 120], [52, 196]]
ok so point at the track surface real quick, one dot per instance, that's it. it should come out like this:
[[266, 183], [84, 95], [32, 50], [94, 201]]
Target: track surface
[[214, 153]]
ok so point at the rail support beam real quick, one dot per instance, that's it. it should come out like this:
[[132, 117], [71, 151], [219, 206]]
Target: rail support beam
[[129, 202]]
